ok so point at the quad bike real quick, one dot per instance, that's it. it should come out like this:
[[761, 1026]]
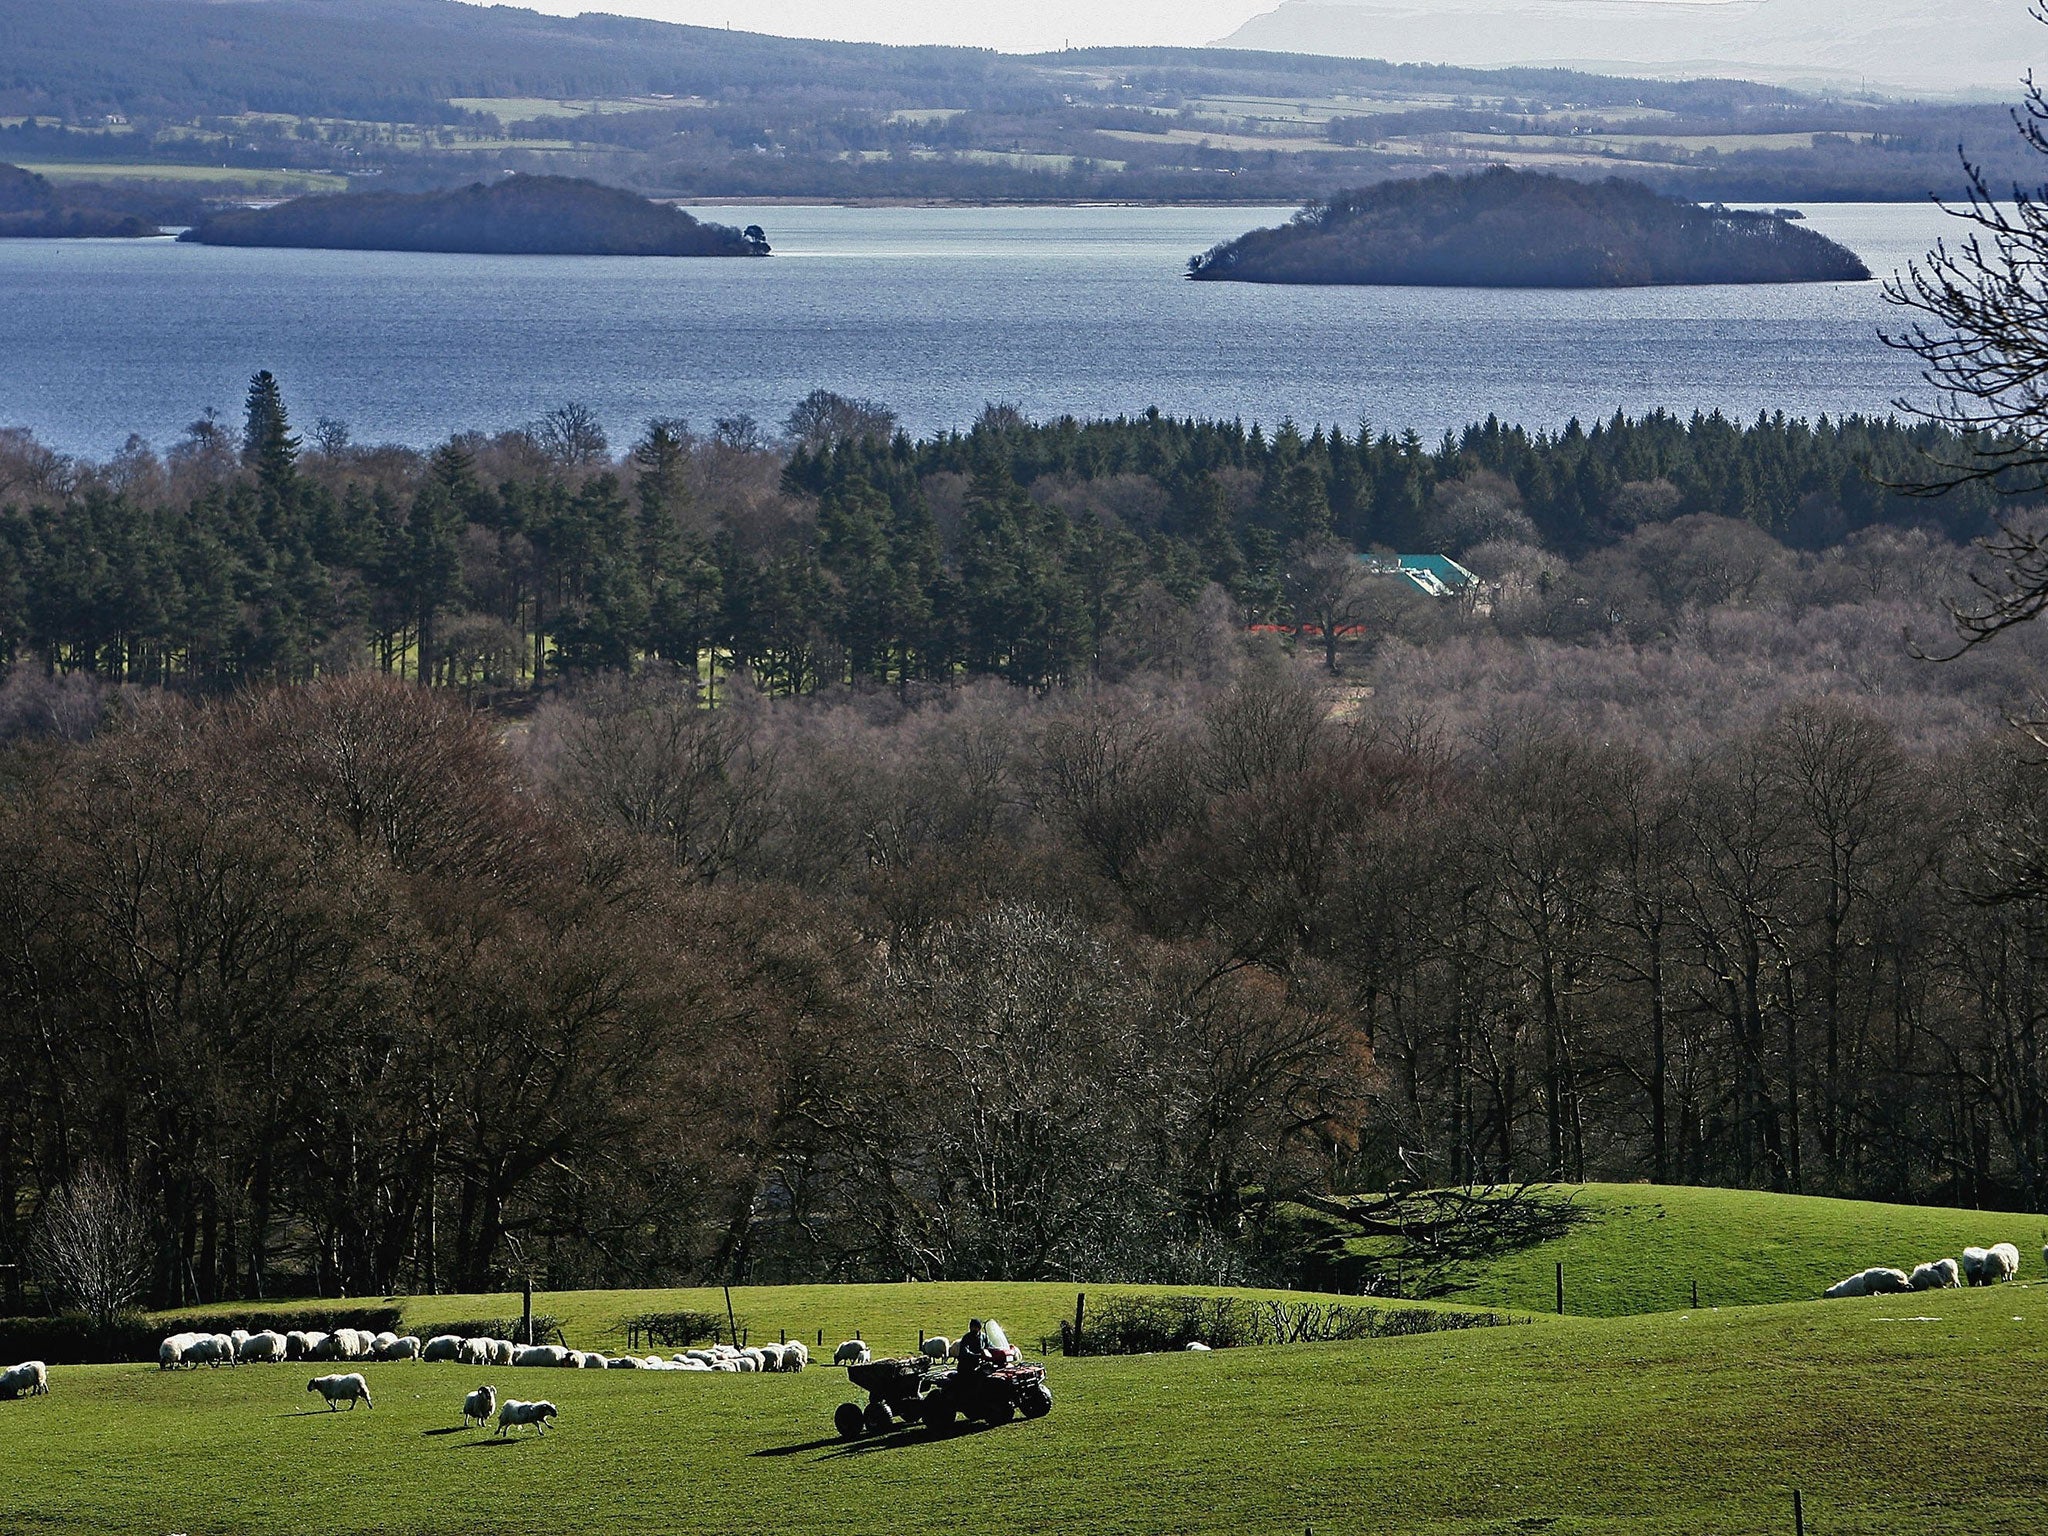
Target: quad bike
[[918, 1389]]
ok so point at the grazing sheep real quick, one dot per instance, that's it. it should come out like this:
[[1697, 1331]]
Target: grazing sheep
[[381, 1341], [404, 1347], [1198, 1348], [802, 1352], [352, 1343], [2001, 1262], [852, 1352], [320, 1346], [29, 1379], [1940, 1275], [936, 1347], [240, 1336], [540, 1354], [476, 1352], [209, 1349], [171, 1353], [342, 1389], [1973, 1265], [516, 1413], [503, 1351], [1872, 1282], [442, 1346], [479, 1406], [771, 1357], [261, 1347]]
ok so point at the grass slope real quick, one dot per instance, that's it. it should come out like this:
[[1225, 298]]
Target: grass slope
[[1890, 1414], [1644, 1244]]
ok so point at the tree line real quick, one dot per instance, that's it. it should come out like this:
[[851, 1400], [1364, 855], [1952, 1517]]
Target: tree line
[[1042, 553]]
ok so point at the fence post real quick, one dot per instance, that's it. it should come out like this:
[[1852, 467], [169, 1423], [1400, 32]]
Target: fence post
[[526, 1314], [1695, 1294], [1798, 1514], [1560, 1289], [1080, 1310], [731, 1321]]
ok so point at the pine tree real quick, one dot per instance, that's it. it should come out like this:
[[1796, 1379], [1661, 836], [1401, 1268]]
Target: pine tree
[[268, 446]]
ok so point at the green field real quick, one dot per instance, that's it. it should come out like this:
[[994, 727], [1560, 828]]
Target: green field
[[1641, 1247], [251, 181], [1889, 1414]]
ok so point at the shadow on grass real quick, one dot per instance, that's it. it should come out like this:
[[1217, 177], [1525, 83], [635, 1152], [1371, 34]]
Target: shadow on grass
[[495, 1440], [895, 1440], [428, 1434]]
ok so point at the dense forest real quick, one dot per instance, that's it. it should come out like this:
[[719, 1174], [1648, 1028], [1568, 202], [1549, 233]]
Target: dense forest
[[520, 216], [1505, 228], [1037, 851]]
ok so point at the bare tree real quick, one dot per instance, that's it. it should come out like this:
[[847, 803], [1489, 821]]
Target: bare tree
[[93, 1246], [1326, 587]]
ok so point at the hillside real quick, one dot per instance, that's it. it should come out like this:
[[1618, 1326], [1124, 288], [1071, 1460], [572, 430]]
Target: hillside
[[31, 208], [1515, 229], [523, 216], [1638, 1248], [1676, 1424], [1961, 47]]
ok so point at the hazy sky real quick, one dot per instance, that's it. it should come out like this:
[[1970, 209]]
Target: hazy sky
[[1016, 26]]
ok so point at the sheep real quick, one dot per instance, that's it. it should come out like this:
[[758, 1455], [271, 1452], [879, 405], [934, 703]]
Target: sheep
[[29, 1379], [348, 1344], [1939, 1275], [771, 1357], [1973, 1265], [852, 1352], [382, 1341], [1197, 1347], [209, 1349], [479, 1406], [295, 1345], [1871, 1282], [686, 1363], [515, 1413], [625, 1363], [320, 1346], [2001, 1262], [171, 1353], [442, 1346], [404, 1347], [342, 1389], [592, 1361], [935, 1347], [503, 1351], [261, 1347], [240, 1336], [477, 1352], [539, 1354]]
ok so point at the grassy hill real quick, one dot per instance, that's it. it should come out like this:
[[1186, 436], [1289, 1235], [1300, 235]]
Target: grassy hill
[[1638, 1248], [1888, 1413]]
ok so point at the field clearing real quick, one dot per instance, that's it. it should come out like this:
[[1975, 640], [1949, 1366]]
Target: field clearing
[[1646, 1244], [224, 175], [1888, 1413], [1246, 142], [528, 109]]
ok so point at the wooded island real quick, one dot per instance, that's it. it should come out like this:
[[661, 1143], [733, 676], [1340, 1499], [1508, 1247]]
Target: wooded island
[[1517, 229], [519, 216]]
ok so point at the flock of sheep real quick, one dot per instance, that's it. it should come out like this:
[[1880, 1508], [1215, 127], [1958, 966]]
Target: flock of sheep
[[1980, 1266], [241, 1347]]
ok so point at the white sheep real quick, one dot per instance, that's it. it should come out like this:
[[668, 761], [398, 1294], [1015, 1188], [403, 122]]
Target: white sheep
[[29, 1379], [935, 1347], [1198, 1348], [1973, 1265], [342, 1389], [516, 1413], [1939, 1275], [503, 1351], [261, 1347], [208, 1349], [625, 1363], [2001, 1262], [320, 1346], [592, 1361], [479, 1406], [382, 1342], [687, 1363], [795, 1356], [1871, 1282], [477, 1352], [771, 1357], [442, 1346], [852, 1352], [352, 1343], [539, 1354], [171, 1353], [240, 1337], [401, 1347]]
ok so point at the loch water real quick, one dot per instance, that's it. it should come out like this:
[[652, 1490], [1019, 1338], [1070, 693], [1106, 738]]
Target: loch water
[[935, 311]]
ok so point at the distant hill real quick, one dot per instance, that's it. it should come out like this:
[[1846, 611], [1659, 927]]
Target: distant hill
[[31, 207], [1953, 47], [1516, 229], [521, 216]]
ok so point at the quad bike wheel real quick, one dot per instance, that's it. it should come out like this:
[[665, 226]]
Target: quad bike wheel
[[938, 1418], [878, 1418], [1037, 1402], [847, 1419]]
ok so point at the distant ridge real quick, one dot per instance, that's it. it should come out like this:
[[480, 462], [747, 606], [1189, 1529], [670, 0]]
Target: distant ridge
[[1922, 47]]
